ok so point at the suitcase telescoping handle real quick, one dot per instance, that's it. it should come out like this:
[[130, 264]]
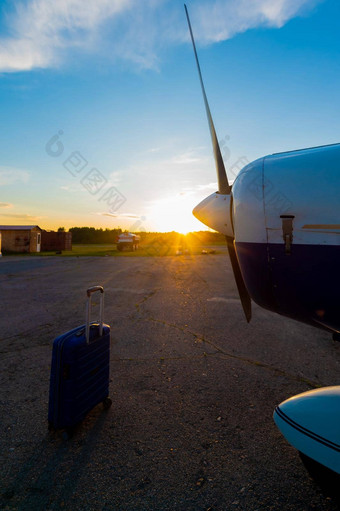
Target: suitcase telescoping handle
[[88, 310]]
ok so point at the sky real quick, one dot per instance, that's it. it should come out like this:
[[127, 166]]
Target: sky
[[102, 117]]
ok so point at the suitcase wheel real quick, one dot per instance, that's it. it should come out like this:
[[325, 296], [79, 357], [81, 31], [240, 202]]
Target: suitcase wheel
[[67, 434], [107, 402]]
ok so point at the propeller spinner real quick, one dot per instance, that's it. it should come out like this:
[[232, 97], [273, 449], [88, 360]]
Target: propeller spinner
[[215, 210]]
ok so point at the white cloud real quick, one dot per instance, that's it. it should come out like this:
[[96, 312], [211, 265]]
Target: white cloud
[[74, 188], [185, 158], [42, 29], [43, 32], [116, 177], [10, 175], [222, 19], [5, 205], [197, 190], [23, 216], [209, 186], [121, 215]]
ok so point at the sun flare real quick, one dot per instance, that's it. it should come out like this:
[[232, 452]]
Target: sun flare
[[174, 214]]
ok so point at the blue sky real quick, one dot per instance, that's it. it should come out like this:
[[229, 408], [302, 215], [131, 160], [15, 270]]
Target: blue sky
[[114, 82]]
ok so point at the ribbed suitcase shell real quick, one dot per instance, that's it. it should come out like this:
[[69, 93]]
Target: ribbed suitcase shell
[[79, 375]]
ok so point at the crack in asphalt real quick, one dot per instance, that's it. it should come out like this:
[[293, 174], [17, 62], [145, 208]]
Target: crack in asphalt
[[218, 350], [21, 337], [221, 351], [139, 304]]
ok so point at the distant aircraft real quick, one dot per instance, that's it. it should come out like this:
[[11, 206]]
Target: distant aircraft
[[281, 219]]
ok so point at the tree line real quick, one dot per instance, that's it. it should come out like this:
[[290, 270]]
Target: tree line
[[91, 235]]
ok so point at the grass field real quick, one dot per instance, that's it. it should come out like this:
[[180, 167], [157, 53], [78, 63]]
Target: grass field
[[156, 249], [151, 244], [153, 249]]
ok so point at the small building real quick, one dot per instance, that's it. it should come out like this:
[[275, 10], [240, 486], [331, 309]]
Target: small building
[[21, 238], [58, 241]]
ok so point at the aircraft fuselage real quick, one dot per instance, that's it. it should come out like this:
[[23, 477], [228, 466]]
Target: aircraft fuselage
[[286, 221]]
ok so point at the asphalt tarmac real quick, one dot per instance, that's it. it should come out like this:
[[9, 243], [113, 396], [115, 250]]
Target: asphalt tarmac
[[193, 388]]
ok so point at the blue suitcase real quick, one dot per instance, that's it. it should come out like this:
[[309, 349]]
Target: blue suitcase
[[79, 371]]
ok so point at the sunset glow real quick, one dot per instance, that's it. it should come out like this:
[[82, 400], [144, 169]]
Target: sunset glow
[[174, 214], [106, 101]]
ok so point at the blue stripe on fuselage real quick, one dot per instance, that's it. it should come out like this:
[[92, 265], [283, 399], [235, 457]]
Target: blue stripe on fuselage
[[304, 285]]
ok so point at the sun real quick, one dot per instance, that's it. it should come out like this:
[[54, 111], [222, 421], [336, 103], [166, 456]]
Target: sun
[[173, 214]]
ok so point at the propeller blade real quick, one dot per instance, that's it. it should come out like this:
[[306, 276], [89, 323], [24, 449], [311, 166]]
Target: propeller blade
[[242, 290], [215, 213], [223, 184]]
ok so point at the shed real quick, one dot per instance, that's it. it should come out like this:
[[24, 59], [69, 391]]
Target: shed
[[51, 240], [21, 238]]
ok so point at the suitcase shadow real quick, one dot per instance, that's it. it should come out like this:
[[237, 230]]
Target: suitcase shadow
[[48, 479]]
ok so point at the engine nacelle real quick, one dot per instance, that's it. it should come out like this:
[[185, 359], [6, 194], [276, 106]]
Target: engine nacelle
[[286, 218]]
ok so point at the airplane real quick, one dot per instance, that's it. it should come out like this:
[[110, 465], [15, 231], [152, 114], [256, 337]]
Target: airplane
[[281, 220]]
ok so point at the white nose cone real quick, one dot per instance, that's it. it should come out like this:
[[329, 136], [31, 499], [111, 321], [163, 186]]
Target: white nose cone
[[214, 211]]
